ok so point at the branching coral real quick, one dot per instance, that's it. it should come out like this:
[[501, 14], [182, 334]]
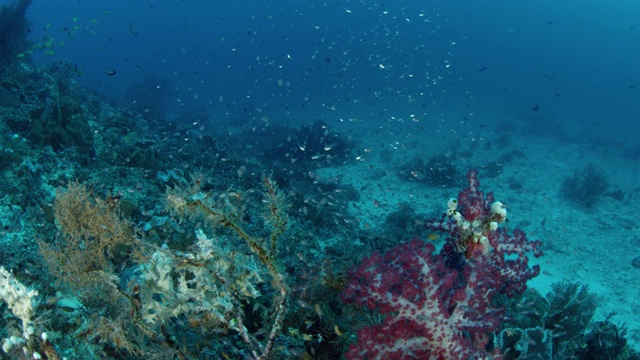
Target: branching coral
[[225, 211]]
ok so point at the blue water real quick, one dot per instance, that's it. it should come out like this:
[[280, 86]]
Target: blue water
[[367, 116], [577, 63]]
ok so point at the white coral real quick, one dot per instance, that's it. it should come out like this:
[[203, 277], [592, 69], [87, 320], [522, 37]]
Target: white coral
[[174, 283], [21, 300]]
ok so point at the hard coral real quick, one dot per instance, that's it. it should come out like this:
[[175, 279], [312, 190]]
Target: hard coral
[[440, 306]]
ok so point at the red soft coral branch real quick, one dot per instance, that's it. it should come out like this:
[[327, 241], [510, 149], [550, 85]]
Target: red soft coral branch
[[474, 203], [439, 306], [413, 285]]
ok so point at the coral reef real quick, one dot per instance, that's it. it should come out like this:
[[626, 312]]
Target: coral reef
[[58, 110], [159, 238]]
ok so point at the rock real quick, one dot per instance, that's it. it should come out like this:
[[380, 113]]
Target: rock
[[7, 99]]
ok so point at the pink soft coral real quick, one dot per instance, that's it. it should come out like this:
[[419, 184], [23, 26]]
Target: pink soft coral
[[439, 306]]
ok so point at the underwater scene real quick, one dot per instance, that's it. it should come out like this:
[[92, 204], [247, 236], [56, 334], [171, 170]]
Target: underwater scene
[[301, 179]]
